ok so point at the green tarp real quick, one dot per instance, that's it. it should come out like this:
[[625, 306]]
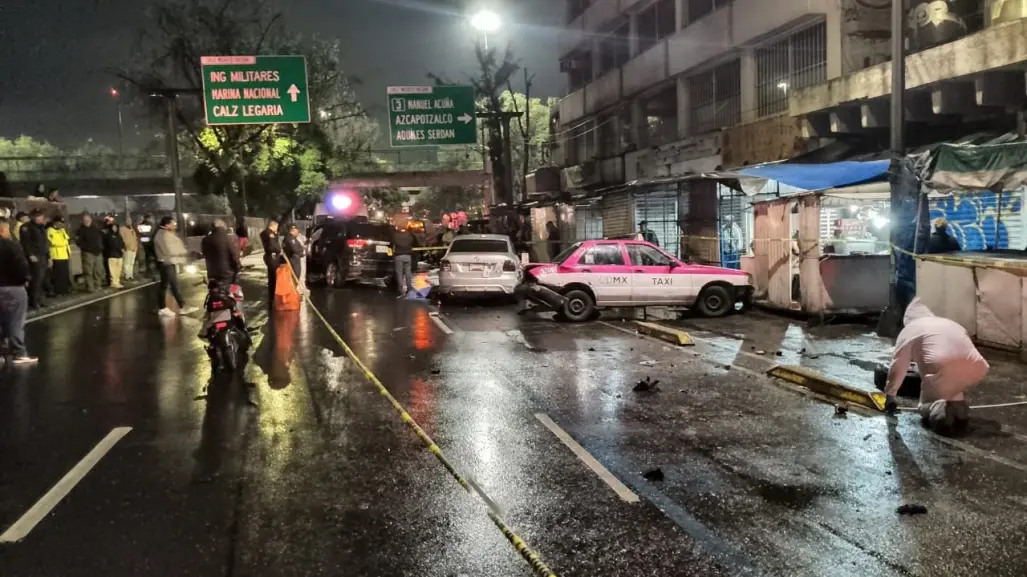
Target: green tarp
[[952, 167]]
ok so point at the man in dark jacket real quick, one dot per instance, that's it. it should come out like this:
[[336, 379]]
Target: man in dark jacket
[[941, 241], [113, 252], [14, 275], [37, 250], [220, 254], [89, 239], [147, 255], [403, 244], [294, 250], [272, 257]]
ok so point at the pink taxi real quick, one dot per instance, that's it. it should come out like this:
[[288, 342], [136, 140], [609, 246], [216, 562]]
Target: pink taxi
[[628, 273]]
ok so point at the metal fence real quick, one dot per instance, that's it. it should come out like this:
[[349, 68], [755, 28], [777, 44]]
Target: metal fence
[[110, 166], [48, 168], [457, 158]]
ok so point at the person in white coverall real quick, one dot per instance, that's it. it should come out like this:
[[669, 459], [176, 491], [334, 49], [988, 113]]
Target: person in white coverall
[[949, 364]]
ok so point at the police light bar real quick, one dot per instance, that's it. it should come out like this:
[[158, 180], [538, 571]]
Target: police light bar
[[342, 201]]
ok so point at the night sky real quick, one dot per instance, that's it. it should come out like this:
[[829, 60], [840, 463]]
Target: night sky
[[55, 54]]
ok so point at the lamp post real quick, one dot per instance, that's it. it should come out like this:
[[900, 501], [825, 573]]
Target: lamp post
[[486, 21], [121, 142]]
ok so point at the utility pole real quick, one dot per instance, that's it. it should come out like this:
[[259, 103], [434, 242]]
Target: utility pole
[[890, 323], [121, 136], [508, 158], [176, 172], [526, 134], [170, 96]]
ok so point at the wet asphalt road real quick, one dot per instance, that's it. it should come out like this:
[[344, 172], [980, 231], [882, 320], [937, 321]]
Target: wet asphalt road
[[300, 467]]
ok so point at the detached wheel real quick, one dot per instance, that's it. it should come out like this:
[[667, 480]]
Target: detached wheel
[[715, 302], [579, 307]]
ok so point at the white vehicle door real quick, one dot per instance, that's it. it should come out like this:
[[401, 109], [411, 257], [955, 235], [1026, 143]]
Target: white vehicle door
[[654, 281], [603, 268]]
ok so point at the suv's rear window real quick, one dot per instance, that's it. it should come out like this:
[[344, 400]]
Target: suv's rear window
[[370, 231], [479, 245]]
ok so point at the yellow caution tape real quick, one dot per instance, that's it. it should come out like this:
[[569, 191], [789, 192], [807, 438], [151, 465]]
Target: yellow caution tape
[[533, 559]]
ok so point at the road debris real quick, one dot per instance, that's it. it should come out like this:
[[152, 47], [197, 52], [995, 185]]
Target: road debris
[[653, 475], [760, 352], [841, 411], [867, 437], [648, 363], [646, 385], [591, 349], [911, 509], [436, 371]]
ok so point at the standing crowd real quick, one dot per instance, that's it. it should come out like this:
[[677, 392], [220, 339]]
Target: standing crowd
[[35, 264], [110, 252]]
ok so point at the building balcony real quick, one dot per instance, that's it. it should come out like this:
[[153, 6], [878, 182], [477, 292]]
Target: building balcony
[[969, 77], [593, 21], [606, 91], [717, 35]]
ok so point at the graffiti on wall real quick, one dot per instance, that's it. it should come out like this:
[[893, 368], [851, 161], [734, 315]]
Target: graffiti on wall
[[976, 219]]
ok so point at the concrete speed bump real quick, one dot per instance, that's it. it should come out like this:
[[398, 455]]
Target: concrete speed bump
[[673, 336], [824, 385]]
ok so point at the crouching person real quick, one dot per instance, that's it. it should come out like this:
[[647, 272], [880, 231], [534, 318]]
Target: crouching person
[[949, 364]]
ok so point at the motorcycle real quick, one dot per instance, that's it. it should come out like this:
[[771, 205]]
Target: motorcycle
[[225, 326]]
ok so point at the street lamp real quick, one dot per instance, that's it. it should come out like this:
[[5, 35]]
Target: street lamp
[[486, 21], [117, 99]]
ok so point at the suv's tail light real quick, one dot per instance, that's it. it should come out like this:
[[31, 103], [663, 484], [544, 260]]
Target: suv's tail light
[[446, 267], [356, 243], [509, 266]]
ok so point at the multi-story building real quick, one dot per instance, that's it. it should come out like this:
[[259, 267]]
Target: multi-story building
[[658, 89]]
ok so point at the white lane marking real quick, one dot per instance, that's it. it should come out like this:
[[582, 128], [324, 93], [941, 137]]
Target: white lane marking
[[442, 326], [622, 491], [21, 528], [91, 301]]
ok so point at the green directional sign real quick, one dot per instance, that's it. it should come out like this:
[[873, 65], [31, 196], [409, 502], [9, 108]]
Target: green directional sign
[[255, 89], [432, 115]]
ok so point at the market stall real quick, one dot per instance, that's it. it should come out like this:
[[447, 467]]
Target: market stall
[[980, 191], [822, 249]]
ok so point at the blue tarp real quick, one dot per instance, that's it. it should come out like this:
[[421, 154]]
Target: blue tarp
[[820, 176]]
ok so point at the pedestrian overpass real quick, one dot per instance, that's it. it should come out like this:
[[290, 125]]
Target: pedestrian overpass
[[126, 176]]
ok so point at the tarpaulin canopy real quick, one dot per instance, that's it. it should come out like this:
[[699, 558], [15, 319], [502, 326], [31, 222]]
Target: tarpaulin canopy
[[819, 176], [1001, 166]]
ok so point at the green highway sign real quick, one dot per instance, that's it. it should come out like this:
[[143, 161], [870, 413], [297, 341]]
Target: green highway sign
[[432, 115], [255, 89]]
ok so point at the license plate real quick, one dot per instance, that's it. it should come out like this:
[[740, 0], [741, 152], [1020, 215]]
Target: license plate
[[381, 249], [476, 267]]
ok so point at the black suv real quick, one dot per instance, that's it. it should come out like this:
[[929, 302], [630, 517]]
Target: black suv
[[350, 250]]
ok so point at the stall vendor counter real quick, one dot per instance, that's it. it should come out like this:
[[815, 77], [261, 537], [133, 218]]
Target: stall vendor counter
[[985, 292]]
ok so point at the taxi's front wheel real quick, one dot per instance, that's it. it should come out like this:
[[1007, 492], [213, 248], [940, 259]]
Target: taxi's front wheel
[[715, 301], [579, 306]]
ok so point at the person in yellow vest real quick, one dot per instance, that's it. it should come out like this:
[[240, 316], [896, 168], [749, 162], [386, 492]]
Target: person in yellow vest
[[60, 256], [20, 219]]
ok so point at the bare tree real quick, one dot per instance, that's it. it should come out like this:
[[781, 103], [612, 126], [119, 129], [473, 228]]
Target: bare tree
[[169, 51]]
